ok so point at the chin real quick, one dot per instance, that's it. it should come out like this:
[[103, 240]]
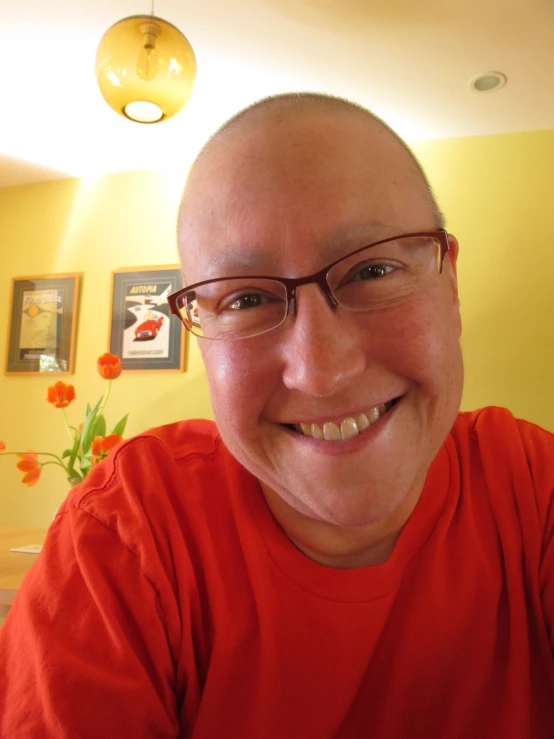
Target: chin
[[354, 508]]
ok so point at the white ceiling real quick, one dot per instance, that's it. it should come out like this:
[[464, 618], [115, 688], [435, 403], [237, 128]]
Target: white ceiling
[[410, 61]]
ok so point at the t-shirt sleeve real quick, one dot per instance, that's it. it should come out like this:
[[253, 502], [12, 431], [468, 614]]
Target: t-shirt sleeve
[[539, 449], [84, 650]]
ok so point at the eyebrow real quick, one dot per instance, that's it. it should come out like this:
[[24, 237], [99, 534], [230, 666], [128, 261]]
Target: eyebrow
[[237, 260]]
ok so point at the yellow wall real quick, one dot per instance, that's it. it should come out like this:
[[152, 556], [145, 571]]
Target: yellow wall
[[496, 192], [498, 196], [91, 228]]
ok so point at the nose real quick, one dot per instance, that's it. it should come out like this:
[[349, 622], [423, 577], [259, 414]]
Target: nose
[[322, 346]]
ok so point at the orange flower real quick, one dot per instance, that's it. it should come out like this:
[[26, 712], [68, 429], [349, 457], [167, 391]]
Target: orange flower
[[2, 446], [60, 394], [31, 466], [31, 477], [109, 366], [96, 446], [101, 446]]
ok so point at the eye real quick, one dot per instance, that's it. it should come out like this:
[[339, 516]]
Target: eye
[[246, 301], [253, 300], [371, 272]]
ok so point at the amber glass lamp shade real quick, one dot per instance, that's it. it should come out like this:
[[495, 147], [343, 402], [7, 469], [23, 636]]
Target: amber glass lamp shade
[[145, 68]]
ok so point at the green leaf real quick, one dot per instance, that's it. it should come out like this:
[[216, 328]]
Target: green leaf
[[88, 428], [99, 426], [66, 453], [119, 427], [73, 456]]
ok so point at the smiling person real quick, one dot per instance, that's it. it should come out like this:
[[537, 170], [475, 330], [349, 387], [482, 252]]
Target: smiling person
[[343, 554]]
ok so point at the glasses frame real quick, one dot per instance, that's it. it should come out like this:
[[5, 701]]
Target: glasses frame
[[291, 284]]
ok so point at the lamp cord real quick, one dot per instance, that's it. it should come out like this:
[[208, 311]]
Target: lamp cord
[[152, 11]]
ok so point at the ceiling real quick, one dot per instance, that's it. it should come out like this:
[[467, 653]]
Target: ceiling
[[409, 61]]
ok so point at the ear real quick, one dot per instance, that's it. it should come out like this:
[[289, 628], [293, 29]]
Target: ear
[[449, 267]]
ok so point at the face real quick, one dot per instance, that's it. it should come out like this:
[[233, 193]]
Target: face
[[285, 198]]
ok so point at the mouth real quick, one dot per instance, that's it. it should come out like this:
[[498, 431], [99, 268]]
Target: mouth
[[345, 428]]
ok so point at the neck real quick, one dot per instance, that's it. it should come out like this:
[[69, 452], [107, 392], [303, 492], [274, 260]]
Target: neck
[[341, 547]]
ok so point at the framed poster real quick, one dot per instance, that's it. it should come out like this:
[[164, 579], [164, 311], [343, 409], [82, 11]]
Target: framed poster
[[42, 325], [143, 332]]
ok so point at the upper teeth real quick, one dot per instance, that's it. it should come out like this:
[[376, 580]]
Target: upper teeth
[[346, 429]]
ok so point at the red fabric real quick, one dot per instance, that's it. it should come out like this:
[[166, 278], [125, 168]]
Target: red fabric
[[168, 603]]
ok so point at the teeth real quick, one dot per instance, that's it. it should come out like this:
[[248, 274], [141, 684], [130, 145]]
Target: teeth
[[348, 429], [375, 413], [331, 431], [317, 433]]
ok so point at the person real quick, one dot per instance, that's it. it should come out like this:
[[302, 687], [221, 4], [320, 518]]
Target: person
[[343, 554]]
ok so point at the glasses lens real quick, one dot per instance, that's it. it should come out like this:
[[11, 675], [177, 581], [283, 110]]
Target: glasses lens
[[235, 308], [385, 274]]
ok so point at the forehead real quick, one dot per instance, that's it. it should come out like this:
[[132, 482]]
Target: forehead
[[304, 188]]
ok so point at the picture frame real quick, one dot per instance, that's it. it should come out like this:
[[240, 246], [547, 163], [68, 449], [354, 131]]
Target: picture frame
[[143, 332], [42, 325]]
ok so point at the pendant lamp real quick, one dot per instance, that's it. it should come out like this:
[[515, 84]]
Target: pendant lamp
[[145, 68]]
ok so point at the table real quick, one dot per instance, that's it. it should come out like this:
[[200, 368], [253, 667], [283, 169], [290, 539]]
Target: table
[[15, 565]]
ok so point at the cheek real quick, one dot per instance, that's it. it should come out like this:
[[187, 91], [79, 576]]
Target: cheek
[[420, 341], [241, 377]]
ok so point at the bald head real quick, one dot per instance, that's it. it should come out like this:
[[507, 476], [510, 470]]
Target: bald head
[[314, 146], [280, 109]]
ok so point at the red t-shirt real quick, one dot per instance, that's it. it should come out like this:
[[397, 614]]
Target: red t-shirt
[[167, 602]]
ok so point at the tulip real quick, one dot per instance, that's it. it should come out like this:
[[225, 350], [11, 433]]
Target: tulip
[[60, 394], [31, 466], [96, 447], [101, 446], [109, 366], [77, 460], [31, 477]]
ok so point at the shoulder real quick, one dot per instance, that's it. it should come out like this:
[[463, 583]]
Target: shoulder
[[168, 468], [500, 434], [197, 437], [161, 495], [511, 456]]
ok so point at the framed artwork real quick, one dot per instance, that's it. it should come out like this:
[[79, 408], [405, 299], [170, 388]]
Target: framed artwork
[[42, 325], [143, 332]]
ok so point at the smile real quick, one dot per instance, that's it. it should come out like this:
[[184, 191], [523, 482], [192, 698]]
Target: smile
[[348, 427]]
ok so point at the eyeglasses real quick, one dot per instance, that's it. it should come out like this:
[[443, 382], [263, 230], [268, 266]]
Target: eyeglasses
[[376, 276]]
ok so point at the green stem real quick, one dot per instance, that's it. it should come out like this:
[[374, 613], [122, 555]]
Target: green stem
[[106, 396], [44, 454], [59, 464], [67, 426]]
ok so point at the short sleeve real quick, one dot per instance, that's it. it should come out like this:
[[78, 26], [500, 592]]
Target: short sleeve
[[539, 449], [84, 649]]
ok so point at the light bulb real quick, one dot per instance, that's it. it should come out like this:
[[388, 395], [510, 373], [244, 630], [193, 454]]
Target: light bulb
[[145, 68], [148, 63]]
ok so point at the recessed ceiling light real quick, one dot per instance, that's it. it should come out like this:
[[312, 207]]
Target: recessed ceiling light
[[488, 82]]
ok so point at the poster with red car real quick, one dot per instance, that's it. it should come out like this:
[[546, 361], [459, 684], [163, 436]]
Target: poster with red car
[[143, 333]]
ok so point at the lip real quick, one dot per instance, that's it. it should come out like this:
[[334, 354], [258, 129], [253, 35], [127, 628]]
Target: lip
[[350, 445], [338, 417]]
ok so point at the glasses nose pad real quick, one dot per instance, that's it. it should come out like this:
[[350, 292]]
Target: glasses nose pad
[[293, 304], [326, 289]]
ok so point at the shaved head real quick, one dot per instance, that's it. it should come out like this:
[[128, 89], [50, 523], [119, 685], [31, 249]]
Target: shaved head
[[280, 109]]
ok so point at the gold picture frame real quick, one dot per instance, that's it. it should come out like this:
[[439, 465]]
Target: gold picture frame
[[42, 325], [143, 332]]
